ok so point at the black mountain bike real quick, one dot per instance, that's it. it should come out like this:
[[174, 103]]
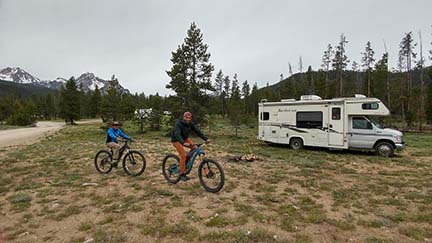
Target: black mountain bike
[[210, 172], [134, 162]]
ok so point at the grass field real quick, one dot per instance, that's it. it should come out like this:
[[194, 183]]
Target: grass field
[[312, 195]]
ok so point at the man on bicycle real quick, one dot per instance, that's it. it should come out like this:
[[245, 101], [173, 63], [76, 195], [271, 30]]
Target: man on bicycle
[[180, 138], [111, 140]]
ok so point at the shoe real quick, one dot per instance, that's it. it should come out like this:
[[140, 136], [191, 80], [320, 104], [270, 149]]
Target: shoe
[[184, 177]]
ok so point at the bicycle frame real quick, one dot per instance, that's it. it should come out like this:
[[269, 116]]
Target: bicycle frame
[[123, 148], [196, 153]]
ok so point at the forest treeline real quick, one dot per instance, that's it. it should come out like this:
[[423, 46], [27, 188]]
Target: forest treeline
[[197, 87]]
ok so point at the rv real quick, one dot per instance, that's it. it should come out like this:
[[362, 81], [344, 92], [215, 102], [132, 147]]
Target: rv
[[338, 123]]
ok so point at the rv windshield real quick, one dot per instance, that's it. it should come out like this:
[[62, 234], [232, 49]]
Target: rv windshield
[[375, 123]]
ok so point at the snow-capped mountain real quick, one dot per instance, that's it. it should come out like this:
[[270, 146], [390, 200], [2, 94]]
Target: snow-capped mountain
[[86, 81], [18, 75]]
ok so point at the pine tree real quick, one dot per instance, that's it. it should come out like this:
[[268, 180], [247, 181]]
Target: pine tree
[[110, 105], [380, 78], [407, 56], [340, 62], [290, 72], [254, 100], [326, 62], [235, 109], [95, 103], [368, 62], [70, 103], [310, 81], [429, 99], [234, 84], [155, 119], [225, 94], [245, 92], [420, 65], [191, 73]]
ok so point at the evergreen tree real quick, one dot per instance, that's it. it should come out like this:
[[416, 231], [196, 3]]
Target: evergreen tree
[[310, 81], [49, 106], [290, 72], [127, 107], [235, 109], [245, 92], [191, 73], [380, 78], [155, 119], [219, 83], [110, 105], [429, 99], [340, 62], [235, 84], [368, 62], [326, 62], [225, 94], [407, 56], [70, 102], [254, 99], [95, 103]]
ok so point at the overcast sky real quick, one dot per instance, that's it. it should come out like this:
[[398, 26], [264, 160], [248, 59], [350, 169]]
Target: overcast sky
[[255, 39]]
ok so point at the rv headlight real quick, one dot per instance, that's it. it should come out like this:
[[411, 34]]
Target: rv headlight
[[398, 138]]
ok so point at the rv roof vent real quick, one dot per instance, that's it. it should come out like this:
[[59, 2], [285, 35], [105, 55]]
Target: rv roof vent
[[359, 96], [263, 100], [287, 100], [310, 97]]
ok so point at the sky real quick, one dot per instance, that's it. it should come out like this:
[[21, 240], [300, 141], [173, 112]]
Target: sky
[[255, 39]]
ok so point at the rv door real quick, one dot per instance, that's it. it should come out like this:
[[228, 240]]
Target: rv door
[[336, 125]]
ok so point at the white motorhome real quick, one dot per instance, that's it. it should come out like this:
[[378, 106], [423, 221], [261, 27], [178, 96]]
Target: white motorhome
[[339, 123]]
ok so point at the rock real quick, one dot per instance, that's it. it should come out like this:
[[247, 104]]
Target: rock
[[89, 184], [24, 234], [89, 240], [55, 205]]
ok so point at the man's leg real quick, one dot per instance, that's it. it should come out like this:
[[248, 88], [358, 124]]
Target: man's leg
[[116, 148], [182, 153]]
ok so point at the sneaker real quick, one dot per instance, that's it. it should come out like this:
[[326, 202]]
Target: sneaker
[[184, 177]]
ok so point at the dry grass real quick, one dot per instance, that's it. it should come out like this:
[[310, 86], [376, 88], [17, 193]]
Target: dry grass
[[312, 195]]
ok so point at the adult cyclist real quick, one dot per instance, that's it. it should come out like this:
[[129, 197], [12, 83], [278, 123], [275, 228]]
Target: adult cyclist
[[180, 138], [111, 140]]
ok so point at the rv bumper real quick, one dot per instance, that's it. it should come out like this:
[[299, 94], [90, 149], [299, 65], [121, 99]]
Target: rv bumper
[[400, 146]]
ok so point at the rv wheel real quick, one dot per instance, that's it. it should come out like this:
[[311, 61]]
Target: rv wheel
[[384, 149], [296, 143]]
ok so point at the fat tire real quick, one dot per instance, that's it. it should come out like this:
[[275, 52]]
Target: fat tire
[[136, 153], [222, 175], [100, 153], [164, 161]]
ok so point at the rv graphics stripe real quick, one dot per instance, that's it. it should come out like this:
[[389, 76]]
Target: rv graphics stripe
[[289, 126]]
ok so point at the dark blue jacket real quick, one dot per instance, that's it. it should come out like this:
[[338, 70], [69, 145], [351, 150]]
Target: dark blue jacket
[[113, 134]]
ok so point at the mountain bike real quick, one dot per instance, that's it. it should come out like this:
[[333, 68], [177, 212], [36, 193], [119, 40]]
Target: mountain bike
[[210, 172], [134, 163]]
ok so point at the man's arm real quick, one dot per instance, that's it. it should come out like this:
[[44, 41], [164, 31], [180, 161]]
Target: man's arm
[[198, 132], [123, 135]]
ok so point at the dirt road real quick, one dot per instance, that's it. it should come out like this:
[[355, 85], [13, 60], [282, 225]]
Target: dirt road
[[25, 136]]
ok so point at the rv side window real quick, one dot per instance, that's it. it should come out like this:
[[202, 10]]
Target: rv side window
[[336, 113], [361, 123], [370, 106], [309, 119], [265, 116]]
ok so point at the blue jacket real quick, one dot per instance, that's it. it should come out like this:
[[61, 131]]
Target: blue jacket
[[113, 134]]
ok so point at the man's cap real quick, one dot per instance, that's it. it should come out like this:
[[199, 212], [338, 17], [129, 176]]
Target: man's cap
[[187, 114], [115, 123]]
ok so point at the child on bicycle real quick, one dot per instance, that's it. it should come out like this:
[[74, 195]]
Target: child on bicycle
[[111, 140], [180, 138]]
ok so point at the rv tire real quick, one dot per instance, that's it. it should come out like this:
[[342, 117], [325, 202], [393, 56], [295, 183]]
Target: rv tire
[[296, 143], [384, 149]]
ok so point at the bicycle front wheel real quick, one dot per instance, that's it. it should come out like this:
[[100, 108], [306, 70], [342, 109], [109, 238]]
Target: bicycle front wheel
[[134, 163], [211, 175], [171, 168], [103, 161]]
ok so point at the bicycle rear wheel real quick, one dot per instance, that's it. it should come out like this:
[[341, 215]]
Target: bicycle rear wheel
[[134, 163], [103, 162], [171, 168], [211, 175]]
